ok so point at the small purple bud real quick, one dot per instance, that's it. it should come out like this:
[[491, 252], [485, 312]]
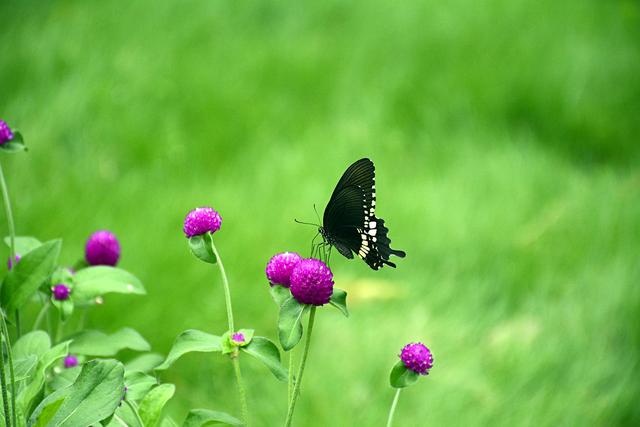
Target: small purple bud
[[102, 248], [200, 221], [312, 282], [238, 338], [417, 357], [10, 264], [5, 132], [70, 361], [60, 292], [280, 267]]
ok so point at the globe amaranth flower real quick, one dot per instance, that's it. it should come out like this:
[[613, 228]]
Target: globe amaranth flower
[[15, 261], [102, 248], [5, 132], [417, 357], [60, 292], [70, 361], [238, 338], [312, 282], [202, 220], [280, 267]]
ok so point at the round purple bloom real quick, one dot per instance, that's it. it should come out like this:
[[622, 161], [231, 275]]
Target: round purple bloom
[[102, 248], [70, 361], [10, 264], [61, 292], [5, 132], [417, 357], [238, 338], [200, 221], [312, 282], [280, 267]]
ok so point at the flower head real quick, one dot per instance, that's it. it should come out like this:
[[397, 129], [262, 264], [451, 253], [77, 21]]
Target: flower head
[[417, 357], [238, 338], [102, 248], [280, 267], [70, 361], [5, 132], [312, 282], [60, 292], [201, 221], [15, 261]]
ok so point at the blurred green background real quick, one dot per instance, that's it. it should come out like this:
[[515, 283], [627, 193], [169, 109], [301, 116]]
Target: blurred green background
[[505, 136]]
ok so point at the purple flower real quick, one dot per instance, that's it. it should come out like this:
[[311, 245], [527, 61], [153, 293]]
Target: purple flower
[[238, 338], [5, 132], [417, 357], [60, 292], [102, 248], [200, 221], [312, 282], [70, 361], [280, 267], [10, 264]]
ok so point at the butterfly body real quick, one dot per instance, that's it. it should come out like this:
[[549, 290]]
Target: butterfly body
[[349, 222]]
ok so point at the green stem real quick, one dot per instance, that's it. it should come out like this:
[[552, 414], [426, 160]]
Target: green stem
[[5, 330], [234, 356], [59, 332], [290, 382], [12, 232], [305, 353], [134, 409], [393, 407], [41, 314], [3, 382]]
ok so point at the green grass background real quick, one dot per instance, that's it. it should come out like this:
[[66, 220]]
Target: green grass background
[[505, 136]]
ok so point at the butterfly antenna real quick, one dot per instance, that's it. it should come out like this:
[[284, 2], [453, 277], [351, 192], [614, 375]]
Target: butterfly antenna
[[306, 223], [316, 211]]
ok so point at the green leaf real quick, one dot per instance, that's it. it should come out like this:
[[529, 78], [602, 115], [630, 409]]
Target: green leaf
[[24, 244], [201, 247], [34, 343], [225, 343], [267, 352], [63, 378], [94, 396], [33, 387], [123, 417], [14, 145], [279, 294], [151, 406], [144, 363], [168, 422], [97, 343], [24, 279], [339, 301], [138, 385], [206, 417], [401, 376], [92, 282], [189, 341], [290, 323]]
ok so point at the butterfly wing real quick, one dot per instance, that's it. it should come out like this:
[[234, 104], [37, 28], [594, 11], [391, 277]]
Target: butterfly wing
[[349, 219]]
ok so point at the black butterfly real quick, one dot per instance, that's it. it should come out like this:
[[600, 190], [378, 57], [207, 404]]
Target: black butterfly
[[349, 222]]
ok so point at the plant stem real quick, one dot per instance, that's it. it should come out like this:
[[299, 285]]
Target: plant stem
[[290, 382], [134, 409], [5, 331], [234, 356], [305, 353], [393, 407], [41, 314], [12, 232], [3, 381]]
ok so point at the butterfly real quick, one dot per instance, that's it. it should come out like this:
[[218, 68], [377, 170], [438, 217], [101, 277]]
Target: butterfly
[[349, 222]]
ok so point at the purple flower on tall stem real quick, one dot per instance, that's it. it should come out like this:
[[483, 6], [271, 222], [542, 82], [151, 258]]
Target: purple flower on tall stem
[[10, 264], [5, 132], [202, 220], [312, 282], [60, 292], [102, 248], [70, 361], [417, 357], [280, 267]]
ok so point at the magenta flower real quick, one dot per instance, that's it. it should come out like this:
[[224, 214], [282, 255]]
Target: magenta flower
[[70, 361], [202, 220], [10, 264], [102, 248], [417, 357], [312, 282], [5, 132], [238, 338], [60, 292], [280, 267]]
